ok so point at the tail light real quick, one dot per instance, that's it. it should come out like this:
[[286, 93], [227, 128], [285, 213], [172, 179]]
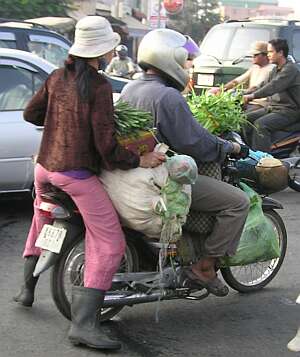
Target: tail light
[[53, 211]]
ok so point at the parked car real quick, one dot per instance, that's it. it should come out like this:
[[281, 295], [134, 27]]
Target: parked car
[[22, 73], [42, 41], [34, 38], [225, 48]]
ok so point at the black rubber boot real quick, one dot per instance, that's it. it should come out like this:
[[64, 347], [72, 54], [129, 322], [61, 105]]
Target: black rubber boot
[[86, 328], [26, 295]]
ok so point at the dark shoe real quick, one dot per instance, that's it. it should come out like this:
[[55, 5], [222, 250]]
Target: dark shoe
[[86, 328], [26, 295], [186, 282], [214, 286]]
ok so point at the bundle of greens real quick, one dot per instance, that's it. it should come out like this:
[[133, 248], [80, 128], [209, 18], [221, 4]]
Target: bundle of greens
[[218, 113], [130, 121]]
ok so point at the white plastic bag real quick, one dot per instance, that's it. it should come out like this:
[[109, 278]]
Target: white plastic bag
[[136, 195]]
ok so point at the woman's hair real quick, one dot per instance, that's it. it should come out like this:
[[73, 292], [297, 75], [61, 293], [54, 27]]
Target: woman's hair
[[83, 76]]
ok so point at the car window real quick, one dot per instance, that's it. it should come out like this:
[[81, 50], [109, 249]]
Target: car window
[[234, 42], [50, 48], [17, 86], [8, 40], [243, 38], [296, 45], [216, 41]]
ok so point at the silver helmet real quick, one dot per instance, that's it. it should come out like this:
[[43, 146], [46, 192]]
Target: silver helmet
[[167, 51]]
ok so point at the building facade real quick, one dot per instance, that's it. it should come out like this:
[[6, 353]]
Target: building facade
[[243, 9]]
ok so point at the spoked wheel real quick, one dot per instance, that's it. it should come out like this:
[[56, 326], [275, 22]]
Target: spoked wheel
[[253, 277], [69, 270]]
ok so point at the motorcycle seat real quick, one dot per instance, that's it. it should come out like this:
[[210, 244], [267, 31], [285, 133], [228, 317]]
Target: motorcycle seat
[[60, 197], [282, 138]]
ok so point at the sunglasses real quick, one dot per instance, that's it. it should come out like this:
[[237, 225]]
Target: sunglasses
[[260, 53]]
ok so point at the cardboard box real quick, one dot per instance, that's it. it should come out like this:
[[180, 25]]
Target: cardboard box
[[142, 143]]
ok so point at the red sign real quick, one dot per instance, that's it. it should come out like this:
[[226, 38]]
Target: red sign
[[173, 6]]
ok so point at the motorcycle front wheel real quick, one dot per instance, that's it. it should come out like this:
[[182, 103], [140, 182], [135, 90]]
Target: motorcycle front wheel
[[295, 183], [254, 277], [68, 271]]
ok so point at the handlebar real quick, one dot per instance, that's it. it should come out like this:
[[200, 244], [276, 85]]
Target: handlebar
[[243, 153]]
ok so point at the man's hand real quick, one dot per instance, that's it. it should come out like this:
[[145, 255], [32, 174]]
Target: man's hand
[[247, 98], [214, 91], [236, 148], [240, 151], [152, 159]]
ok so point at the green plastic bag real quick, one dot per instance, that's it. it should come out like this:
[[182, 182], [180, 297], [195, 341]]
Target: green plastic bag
[[259, 241]]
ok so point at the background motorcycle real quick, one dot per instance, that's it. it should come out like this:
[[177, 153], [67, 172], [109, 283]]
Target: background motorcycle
[[138, 279], [286, 147]]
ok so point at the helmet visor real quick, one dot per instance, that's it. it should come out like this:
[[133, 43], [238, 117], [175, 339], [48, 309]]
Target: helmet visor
[[192, 48]]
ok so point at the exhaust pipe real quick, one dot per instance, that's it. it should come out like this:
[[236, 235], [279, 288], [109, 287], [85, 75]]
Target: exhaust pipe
[[121, 299]]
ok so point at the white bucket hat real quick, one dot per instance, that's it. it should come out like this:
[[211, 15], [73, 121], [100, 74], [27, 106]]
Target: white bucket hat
[[94, 37]]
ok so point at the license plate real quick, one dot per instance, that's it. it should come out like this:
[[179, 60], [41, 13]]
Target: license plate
[[205, 79], [51, 238]]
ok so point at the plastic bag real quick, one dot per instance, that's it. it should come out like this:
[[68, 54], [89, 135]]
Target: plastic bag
[[252, 160], [258, 242], [182, 169]]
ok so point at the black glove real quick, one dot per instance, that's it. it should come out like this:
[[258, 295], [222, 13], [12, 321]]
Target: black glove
[[244, 152]]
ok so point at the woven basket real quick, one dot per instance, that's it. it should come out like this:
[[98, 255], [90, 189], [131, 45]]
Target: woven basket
[[199, 222]]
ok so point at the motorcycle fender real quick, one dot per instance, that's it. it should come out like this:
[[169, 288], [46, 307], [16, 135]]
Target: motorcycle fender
[[47, 259], [270, 203]]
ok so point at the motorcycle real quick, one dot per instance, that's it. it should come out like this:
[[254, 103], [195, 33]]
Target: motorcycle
[[139, 280], [286, 147]]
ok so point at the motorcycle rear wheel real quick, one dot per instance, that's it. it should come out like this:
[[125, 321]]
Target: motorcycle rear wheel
[[254, 277], [69, 270]]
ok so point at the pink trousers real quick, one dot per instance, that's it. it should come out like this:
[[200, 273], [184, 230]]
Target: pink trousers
[[104, 239]]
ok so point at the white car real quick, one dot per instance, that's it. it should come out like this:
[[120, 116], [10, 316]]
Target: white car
[[22, 73]]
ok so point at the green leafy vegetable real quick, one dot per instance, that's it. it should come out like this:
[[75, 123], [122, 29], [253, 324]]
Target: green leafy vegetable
[[218, 113], [130, 121]]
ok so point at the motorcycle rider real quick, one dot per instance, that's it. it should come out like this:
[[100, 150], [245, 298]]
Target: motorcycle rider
[[121, 65], [283, 92], [259, 72], [163, 55], [75, 107]]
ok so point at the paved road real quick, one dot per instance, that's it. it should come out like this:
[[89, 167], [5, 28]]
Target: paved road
[[239, 325]]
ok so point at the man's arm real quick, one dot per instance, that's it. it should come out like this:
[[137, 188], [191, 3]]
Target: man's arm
[[131, 68], [185, 135], [110, 68], [243, 78], [281, 81]]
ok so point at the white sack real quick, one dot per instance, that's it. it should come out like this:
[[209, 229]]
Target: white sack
[[135, 194]]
